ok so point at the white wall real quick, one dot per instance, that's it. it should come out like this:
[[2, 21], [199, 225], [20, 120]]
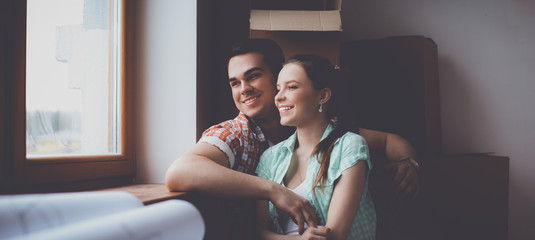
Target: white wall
[[165, 85], [487, 78]]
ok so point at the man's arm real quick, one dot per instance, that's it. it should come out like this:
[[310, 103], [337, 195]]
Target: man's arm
[[204, 168], [395, 149]]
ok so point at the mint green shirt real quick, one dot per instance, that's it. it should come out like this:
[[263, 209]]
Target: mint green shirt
[[347, 150]]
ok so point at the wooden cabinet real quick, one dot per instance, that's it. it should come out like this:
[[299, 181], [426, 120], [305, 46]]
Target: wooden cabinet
[[396, 87]]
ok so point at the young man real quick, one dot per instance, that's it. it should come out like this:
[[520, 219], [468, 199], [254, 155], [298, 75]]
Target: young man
[[224, 160]]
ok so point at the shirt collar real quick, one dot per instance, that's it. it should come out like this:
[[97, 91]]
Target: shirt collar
[[256, 130], [289, 144]]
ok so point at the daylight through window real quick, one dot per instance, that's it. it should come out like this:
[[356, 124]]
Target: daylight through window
[[73, 77]]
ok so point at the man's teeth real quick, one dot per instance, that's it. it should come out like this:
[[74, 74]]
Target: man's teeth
[[285, 108], [250, 100]]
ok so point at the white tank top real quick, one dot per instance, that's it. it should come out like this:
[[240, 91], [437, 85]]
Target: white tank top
[[289, 226]]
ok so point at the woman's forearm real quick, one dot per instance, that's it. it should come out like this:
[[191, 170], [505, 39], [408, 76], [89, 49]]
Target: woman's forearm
[[345, 201]]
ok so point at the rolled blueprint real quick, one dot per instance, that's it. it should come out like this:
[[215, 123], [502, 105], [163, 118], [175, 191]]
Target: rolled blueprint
[[29, 213], [172, 219]]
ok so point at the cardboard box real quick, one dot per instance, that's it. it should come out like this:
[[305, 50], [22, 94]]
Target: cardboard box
[[326, 44], [289, 5], [301, 31], [299, 20]]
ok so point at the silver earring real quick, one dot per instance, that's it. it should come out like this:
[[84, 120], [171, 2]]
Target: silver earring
[[321, 109]]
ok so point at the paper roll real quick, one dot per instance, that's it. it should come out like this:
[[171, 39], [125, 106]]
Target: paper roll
[[172, 219], [30, 213]]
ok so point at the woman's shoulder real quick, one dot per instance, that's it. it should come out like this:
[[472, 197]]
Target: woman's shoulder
[[353, 146], [351, 149], [352, 139]]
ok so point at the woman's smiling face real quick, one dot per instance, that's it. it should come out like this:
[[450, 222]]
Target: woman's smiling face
[[297, 100]]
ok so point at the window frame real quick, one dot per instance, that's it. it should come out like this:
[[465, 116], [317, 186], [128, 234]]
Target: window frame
[[46, 174]]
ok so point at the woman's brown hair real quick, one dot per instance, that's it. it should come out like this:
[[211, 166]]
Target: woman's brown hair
[[323, 74]]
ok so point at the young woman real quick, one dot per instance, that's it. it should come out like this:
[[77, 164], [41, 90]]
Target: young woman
[[325, 160]]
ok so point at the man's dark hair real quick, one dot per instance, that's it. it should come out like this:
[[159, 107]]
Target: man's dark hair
[[268, 48]]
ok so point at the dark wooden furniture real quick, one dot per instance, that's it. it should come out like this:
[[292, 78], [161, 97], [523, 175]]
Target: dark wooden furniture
[[397, 90]]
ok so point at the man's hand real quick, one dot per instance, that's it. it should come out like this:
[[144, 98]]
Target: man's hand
[[405, 184], [297, 207], [316, 233]]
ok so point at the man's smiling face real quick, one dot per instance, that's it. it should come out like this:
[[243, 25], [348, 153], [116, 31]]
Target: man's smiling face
[[253, 85]]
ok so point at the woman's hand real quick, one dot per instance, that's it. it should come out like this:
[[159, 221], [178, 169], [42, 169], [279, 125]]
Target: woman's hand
[[296, 206], [316, 233]]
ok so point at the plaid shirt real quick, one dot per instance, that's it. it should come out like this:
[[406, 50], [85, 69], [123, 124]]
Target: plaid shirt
[[241, 140]]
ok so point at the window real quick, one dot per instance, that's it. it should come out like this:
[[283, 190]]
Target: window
[[72, 88], [72, 71]]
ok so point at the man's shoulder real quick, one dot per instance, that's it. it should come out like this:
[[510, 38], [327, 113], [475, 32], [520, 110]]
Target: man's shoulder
[[238, 124]]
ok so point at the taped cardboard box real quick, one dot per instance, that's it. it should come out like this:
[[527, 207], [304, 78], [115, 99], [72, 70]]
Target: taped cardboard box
[[290, 5], [298, 20], [326, 44], [301, 31]]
